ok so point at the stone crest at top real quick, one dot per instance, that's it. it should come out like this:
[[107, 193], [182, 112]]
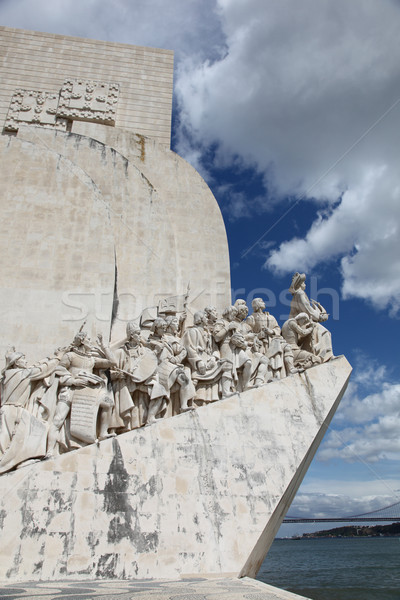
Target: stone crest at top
[[35, 107], [77, 100], [106, 83], [89, 101]]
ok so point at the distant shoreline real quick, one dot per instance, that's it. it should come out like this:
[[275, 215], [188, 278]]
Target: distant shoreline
[[352, 531], [334, 537]]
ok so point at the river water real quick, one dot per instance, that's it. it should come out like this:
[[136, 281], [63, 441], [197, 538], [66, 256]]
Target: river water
[[335, 568]]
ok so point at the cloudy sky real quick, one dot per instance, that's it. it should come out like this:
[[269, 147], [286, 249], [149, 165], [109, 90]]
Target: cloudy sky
[[291, 112]]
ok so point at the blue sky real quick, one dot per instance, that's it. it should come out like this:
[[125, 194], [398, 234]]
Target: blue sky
[[291, 112]]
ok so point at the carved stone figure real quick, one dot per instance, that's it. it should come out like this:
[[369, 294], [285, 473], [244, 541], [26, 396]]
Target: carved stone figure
[[233, 348], [295, 331], [138, 397], [82, 395], [259, 361], [67, 401], [175, 306], [270, 341], [262, 320], [211, 317], [23, 430], [319, 342], [203, 357], [170, 354]]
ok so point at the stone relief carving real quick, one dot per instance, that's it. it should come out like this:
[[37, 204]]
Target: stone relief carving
[[172, 373], [87, 100], [138, 396], [88, 391], [82, 394], [83, 100], [208, 369], [35, 107], [318, 342], [28, 399], [270, 342]]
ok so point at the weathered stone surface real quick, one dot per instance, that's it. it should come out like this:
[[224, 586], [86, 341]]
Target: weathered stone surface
[[98, 224], [189, 589], [41, 62], [88, 232], [202, 493], [52, 219]]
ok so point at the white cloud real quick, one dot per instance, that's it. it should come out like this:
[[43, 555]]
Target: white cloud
[[190, 27], [350, 499], [368, 372], [294, 89], [367, 423], [297, 90], [365, 228], [371, 443], [301, 93], [361, 410]]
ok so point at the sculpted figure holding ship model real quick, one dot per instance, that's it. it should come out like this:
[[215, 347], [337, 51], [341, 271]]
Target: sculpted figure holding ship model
[[319, 341]]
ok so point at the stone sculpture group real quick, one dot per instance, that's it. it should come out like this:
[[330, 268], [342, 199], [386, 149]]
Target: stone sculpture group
[[87, 391]]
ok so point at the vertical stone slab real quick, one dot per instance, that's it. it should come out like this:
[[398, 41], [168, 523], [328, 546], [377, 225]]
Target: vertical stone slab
[[146, 224], [151, 236], [50, 260]]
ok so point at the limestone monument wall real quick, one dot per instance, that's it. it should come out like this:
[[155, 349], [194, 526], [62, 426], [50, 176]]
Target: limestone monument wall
[[202, 493], [99, 220]]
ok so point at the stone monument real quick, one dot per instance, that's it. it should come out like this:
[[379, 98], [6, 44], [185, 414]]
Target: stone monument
[[173, 443], [101, 220]]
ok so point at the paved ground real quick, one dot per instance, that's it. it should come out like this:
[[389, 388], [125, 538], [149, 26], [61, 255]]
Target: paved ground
[[191, 589]]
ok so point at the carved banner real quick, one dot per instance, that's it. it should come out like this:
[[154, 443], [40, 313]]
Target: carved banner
[[84, 411]]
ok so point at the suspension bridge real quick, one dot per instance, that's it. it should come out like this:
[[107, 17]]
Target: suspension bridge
[[389, 513]]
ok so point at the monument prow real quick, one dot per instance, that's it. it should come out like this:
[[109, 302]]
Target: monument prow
[[201, 493]]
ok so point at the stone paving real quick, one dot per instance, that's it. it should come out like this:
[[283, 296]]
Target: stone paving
[[189, 589]]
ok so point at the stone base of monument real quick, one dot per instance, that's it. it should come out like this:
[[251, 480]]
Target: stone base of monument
[[188, 589], [198, 495]]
